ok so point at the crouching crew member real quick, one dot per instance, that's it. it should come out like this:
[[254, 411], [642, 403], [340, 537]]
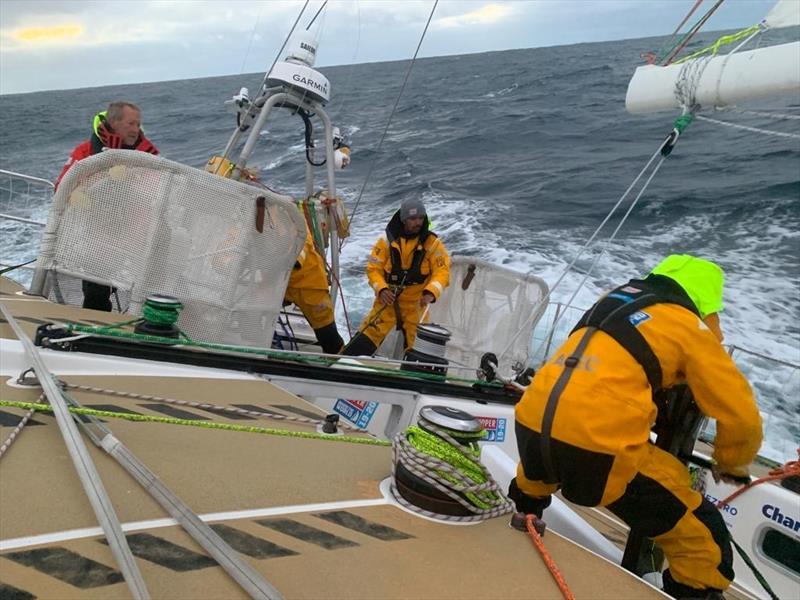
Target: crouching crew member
[[583, 424]]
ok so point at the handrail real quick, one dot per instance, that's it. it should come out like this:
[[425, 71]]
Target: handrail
[[28, 178]]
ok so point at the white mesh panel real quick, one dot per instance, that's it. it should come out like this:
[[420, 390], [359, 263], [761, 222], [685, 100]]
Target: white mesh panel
[[148, 225], [484, 317]]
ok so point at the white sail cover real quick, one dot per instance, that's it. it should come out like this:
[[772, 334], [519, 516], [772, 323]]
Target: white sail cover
[[498, 305], [786, 13], [146, 225]]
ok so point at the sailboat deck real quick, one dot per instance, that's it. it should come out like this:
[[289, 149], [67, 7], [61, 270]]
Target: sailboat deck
[[309, 514]]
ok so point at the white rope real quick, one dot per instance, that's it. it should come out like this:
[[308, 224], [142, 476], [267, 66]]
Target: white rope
[[602, 252], [765, 113], [793, 136], [16, 432]]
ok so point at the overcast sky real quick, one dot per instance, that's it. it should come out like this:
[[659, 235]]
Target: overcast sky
[[61, 44]]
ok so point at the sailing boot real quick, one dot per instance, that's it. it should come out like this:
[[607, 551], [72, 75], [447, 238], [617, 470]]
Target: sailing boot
[[685, 592], [360, 345], [329, 338]]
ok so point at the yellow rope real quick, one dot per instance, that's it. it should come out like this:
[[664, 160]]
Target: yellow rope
[[723, 41], [205, 424]]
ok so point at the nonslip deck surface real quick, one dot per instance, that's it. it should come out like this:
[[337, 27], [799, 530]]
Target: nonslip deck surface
[[307, 513]]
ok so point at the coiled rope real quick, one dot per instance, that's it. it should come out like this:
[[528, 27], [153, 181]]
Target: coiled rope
[[454, 469]]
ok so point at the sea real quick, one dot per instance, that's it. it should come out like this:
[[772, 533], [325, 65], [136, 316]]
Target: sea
[[518, 156]]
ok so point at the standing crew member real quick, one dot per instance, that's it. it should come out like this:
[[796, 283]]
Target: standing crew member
[[408, 268], [583, 425], [308, 290], [119, 127]]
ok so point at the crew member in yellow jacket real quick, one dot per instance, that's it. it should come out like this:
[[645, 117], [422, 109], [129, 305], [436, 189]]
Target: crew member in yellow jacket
[[408, 268], [308, 290], [583, 425]]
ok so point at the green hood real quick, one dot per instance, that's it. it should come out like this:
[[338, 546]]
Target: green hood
[[701, 279]]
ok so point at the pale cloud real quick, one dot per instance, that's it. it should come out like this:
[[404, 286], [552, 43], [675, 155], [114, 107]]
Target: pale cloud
[[485, 15]]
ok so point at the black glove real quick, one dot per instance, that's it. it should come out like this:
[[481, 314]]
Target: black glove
[[527, 504]]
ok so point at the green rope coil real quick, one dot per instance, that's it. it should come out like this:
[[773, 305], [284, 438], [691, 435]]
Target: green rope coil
[[160, 313], [464, 459]]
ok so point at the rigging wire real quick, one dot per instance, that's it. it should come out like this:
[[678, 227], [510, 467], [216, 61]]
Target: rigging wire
[[252, 37], [793, 136], [580, 252], [314, 18], [391, 115], [692, 32], [278, 55]]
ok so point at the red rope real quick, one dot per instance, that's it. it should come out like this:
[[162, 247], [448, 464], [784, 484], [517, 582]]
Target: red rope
[[548, 560], [788, 470]]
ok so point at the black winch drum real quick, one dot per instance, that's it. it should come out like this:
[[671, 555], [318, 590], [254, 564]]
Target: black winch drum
[[429, 347]]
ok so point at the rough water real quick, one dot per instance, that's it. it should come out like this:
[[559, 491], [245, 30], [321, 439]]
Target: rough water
[[519, 156]]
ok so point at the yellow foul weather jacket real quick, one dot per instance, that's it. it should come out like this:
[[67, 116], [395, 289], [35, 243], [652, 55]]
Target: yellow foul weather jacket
[[607, 407]]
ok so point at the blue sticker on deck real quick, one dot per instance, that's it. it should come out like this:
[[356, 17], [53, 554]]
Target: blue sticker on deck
[[67, 566], [495, 428], [358, 412]]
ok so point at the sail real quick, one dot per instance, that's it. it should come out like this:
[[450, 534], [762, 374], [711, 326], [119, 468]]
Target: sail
[[786, 13], [712, 81]]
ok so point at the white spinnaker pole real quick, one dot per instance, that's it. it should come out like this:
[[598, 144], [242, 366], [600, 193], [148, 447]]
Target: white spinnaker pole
[[765, 72]]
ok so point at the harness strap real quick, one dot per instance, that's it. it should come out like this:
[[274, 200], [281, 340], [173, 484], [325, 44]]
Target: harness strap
[[570, 363]]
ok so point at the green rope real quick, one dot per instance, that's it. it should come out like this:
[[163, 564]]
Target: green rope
[[111, 331], [316, 232], [464, 459], [204, 424], [161, 314], [753, 568], [713, 49]]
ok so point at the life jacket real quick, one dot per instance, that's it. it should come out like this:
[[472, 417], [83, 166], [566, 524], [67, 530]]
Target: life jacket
[[413, 275], [619, 312]]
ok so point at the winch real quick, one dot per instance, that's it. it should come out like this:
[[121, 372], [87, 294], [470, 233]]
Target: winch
[[429, 347]]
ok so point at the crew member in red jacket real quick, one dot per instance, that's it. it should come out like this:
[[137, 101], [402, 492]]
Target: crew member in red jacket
[[119, 127]]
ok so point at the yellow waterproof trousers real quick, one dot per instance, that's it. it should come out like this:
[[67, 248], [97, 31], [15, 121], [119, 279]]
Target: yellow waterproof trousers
[[660, 502], [381, 319]]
